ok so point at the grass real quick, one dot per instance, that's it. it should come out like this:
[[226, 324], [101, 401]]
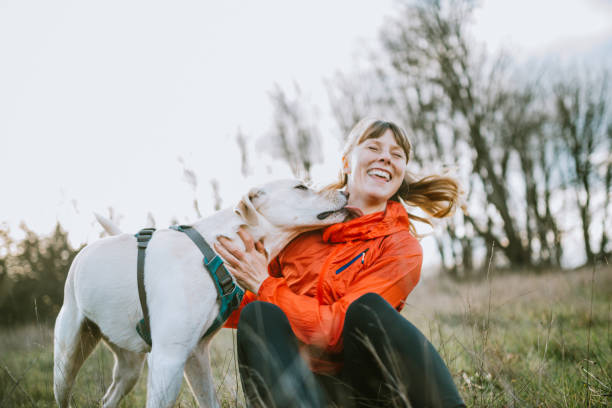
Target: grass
[[521, 340]]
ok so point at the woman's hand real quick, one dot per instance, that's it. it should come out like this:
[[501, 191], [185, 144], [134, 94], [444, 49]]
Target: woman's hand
[[249, 266]]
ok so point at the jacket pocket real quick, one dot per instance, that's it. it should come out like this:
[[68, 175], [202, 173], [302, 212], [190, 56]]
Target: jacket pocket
[[349, 263]]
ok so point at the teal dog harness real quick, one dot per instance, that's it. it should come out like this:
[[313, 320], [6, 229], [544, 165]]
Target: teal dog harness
[[228, 292]]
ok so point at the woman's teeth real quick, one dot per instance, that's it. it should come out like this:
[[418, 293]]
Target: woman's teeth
[[380, 173]]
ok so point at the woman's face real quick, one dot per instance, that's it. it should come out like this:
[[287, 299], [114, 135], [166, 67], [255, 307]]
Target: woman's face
[[375, 171]]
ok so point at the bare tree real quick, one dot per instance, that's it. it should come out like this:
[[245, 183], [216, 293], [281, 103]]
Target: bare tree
[[454, 97], [584, 121], [294, 139], [606, 167], [466, 108], [523, 126]]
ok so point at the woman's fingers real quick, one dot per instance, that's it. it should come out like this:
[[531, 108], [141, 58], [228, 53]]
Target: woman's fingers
[[231, 247], [241, 278], [247, 239], [222, 249], [235, 273], [249, 267], [259, 247]]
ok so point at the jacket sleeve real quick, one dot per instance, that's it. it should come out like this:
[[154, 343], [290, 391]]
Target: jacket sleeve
[[392, 275]]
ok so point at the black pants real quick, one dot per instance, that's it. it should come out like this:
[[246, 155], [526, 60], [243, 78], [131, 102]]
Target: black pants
[[387, 362]]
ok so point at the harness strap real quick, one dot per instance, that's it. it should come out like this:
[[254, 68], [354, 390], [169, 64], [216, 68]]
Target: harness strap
[[143, 327], [228, 292], [224, 277]]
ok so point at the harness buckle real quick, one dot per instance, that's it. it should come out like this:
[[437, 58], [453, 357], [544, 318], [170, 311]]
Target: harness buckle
[[235, 296], [144, 236], [226, 282]]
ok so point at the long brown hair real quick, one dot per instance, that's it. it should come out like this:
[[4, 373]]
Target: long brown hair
[[436, 195]]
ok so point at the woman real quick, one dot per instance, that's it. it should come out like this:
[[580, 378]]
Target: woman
[[322, 323]]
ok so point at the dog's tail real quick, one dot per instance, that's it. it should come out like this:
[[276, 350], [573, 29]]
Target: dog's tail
[[110, 228]]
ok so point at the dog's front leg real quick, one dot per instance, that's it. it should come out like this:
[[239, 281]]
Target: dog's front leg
[[199, 375]]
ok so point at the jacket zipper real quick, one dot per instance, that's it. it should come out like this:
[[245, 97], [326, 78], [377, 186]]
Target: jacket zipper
[[361, 255]]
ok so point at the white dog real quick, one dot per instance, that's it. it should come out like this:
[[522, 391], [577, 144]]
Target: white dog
[[101, 296]]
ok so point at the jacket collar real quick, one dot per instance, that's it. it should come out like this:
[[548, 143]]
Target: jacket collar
[[393, 219]]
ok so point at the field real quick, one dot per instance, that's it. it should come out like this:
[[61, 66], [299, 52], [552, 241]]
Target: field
[[510, 341]]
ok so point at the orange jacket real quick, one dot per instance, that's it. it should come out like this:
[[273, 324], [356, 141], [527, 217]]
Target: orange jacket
[[317, 275]]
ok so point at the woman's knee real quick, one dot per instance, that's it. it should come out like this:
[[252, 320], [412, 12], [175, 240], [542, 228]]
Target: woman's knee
[[371, 300], [373, 316], [366, 310], [262, 320], [257, 313]]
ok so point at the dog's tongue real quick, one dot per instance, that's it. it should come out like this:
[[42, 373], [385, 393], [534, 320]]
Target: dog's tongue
[[354, 211]]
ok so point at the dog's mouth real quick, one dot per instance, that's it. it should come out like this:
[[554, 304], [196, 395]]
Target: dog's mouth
[[326, 214], [350, 212]]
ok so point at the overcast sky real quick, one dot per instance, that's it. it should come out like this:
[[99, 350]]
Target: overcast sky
[[98, 100]]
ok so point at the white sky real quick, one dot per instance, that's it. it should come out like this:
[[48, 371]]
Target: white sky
[[98, 100]]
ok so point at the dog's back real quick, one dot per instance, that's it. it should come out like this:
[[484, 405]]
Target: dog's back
[[104, 288]]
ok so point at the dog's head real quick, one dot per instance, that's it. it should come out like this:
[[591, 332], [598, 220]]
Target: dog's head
[[291, 205]]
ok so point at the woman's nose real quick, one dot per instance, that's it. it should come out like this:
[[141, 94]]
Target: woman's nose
[[385, 157]]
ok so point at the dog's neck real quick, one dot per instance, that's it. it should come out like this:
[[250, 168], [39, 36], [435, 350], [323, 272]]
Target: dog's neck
[[227, 223]]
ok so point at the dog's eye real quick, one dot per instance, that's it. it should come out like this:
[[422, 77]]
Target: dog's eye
[[301, 187]]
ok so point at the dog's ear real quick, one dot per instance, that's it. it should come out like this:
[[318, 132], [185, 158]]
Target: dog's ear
[[246, 210]]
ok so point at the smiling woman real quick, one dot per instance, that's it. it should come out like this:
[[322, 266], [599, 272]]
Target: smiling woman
[[374, 161], [332, 296]]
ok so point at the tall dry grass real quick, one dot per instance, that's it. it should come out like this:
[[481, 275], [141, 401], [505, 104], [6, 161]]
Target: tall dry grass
[[520, 340]]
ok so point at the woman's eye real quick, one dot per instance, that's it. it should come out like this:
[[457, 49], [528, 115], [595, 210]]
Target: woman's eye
[[372, 148], [398, 156], [301, 187]]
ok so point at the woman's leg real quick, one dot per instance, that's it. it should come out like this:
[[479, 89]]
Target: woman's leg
[[387, 360], [272, 371]]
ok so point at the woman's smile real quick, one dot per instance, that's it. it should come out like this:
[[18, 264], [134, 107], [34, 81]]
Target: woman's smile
[[380, 174]]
